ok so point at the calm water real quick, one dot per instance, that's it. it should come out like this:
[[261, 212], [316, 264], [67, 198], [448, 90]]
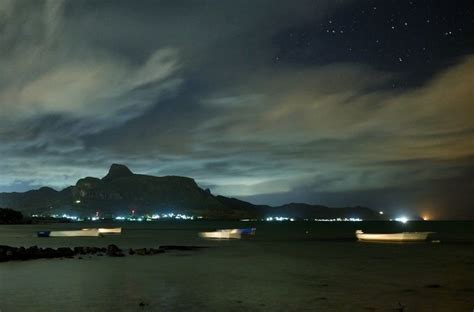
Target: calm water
[[297, 266]]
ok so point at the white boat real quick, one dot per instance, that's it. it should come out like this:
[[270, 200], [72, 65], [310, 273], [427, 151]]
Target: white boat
[[107, 230], [110, 230], [78, 233], [222, 234], [393, 237]]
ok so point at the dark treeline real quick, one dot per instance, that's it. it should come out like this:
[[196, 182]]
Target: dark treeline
[[10, 216]]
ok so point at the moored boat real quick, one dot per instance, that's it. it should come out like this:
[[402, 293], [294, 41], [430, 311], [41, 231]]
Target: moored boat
[[73, 233], [222, 234], [393, 237], [247, 231], [108, 230], [228, 233]]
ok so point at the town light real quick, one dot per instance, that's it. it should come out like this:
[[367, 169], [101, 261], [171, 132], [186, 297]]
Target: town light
[[402, 219]]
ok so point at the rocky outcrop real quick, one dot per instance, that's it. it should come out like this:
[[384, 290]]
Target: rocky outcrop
[[114, 251], [117, 171], [9, 253]]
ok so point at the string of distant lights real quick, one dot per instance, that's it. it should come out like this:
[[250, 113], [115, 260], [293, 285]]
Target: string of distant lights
[[179, 216]]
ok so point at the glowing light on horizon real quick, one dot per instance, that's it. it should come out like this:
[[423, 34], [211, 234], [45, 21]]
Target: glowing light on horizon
[[402, 219]]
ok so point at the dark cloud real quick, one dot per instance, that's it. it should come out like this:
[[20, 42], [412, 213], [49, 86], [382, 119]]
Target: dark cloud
[[253, 99]]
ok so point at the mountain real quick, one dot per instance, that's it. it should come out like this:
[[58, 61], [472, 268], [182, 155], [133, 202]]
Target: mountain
[[121, 191], [301, 210]]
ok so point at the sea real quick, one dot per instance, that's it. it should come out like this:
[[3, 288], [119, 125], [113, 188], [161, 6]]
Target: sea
[[286, 266]]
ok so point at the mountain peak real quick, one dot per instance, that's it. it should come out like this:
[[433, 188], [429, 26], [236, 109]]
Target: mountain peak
[[117, 171]]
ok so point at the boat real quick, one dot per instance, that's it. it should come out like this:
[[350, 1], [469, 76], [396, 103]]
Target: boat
[[393, 237], [110, 230], [222, 234], [74, 233], [107, 230], [228, 233], [247, 231]]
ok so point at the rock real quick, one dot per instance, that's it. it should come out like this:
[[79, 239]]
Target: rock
[[79, 250], [114, 251], [117, 171], [21, 254], [179, 247], [49, 253], [142, 251], [131, 251], [65, 252], [89, 250], [5, 253], [32, 252], [8, 253], [155, 251]]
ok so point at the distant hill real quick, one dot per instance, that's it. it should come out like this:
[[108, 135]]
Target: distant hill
[[122, 191], [9, 216]]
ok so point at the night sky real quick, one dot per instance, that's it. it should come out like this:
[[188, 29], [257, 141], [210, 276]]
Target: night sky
[[327, 102]]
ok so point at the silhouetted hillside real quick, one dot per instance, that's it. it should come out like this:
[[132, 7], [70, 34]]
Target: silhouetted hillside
[[10, 216], [121, 192]]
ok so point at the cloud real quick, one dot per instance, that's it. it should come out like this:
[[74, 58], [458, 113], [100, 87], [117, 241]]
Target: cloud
[[51, 96], [193, 90], [337, 125]]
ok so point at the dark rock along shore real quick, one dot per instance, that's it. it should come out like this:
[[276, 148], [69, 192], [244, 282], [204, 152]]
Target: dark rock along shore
[[9, 253]]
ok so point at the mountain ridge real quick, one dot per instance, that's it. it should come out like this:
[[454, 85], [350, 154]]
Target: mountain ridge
[[121, 192]]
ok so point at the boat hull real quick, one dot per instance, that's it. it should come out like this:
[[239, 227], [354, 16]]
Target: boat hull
[[394, 237], [110, 230], [221, 234], [247, 231], [228, 233], [107, 230], [78, 233]]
